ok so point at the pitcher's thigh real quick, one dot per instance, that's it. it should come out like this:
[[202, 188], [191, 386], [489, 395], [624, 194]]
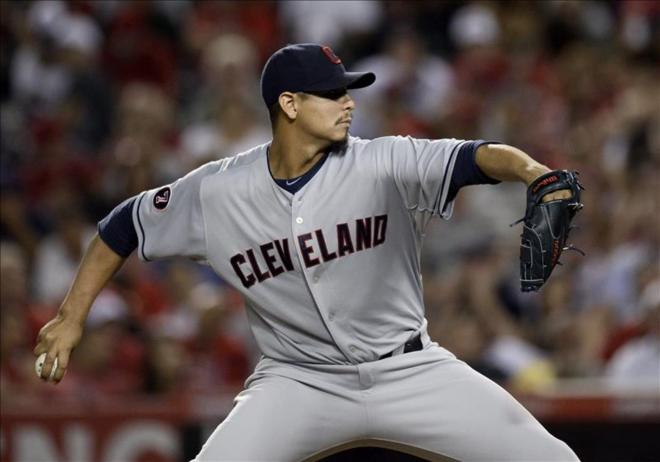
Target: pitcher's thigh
[[276, 419], [456, 412]]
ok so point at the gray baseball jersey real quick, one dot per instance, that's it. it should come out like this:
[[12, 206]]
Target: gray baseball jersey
[[330, 274], [331, 279]]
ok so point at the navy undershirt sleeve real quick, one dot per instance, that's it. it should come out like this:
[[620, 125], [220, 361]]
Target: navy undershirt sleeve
[[466, 171], [117, 229]]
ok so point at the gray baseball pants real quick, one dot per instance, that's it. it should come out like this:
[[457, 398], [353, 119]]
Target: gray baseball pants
[[426, 403]]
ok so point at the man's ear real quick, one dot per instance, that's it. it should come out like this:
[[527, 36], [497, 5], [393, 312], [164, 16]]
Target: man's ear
[[288, 104]]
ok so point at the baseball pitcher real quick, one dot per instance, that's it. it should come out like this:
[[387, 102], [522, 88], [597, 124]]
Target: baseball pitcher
[[321, 232]]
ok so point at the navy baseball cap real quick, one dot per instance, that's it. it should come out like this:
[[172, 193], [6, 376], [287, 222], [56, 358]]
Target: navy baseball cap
[[307, 67]]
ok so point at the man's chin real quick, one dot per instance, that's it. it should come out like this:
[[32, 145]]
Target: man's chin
[[341, 138], [338, 139]]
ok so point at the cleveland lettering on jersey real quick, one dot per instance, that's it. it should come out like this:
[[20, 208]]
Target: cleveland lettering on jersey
[[274, 258]]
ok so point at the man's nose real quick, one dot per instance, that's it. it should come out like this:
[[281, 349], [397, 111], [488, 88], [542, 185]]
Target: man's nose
[[349, 104]]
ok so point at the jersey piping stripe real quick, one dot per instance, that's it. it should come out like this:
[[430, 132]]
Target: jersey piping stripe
[[444, 183], [144, 236]]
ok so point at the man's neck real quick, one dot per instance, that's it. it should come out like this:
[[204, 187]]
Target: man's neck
[[291, 156]]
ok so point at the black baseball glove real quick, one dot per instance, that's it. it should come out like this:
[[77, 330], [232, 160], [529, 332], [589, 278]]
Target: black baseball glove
[[546, 226]]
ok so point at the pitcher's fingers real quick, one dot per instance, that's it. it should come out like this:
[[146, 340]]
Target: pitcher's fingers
[[557, 195], [62, 364], [39, 348], [48, 365]]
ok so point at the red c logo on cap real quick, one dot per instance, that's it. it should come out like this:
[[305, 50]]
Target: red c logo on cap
[[334, 59]]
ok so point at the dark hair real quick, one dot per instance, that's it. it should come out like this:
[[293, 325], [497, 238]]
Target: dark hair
[[274, 112]]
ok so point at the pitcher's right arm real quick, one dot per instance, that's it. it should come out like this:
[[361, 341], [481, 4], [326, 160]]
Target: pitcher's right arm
[[62, 333]]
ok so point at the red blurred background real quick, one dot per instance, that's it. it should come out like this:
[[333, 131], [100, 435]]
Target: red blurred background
[[104, 99]]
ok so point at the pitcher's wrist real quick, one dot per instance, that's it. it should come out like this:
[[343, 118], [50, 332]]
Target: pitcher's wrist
[[532, 172]]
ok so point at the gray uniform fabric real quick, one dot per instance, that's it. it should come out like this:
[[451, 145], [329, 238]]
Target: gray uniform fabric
[[426, 403], [331, 279]]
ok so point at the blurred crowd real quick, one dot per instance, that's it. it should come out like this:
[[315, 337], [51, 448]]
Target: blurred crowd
[[104, 99]]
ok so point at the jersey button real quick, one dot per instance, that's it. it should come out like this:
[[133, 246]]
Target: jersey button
[[316, 279], [352, 348], [299, 220]]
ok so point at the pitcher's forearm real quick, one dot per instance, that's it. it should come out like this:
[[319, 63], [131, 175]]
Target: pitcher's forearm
[[506, 163], [98, 265]]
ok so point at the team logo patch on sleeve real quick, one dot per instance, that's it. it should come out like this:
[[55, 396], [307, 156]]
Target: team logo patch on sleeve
[[162, 198]]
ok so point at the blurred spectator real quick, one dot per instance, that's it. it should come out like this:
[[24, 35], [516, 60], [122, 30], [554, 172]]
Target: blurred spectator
[[109, 359], [15, 338], [226, 122], [525, 367], [256, 20], [638, 360], [228, 69], [323, 22], [167, 365], [143, 152], [474, 24], [235, 129], [412, 87], [55, 66], [14, 221], [219, 352], [58, 255], [191, 345], [39, 80], [137, 51], [14, 277], [90, 95]]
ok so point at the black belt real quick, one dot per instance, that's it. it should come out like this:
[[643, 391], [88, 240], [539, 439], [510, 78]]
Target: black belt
[[414, 344]]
